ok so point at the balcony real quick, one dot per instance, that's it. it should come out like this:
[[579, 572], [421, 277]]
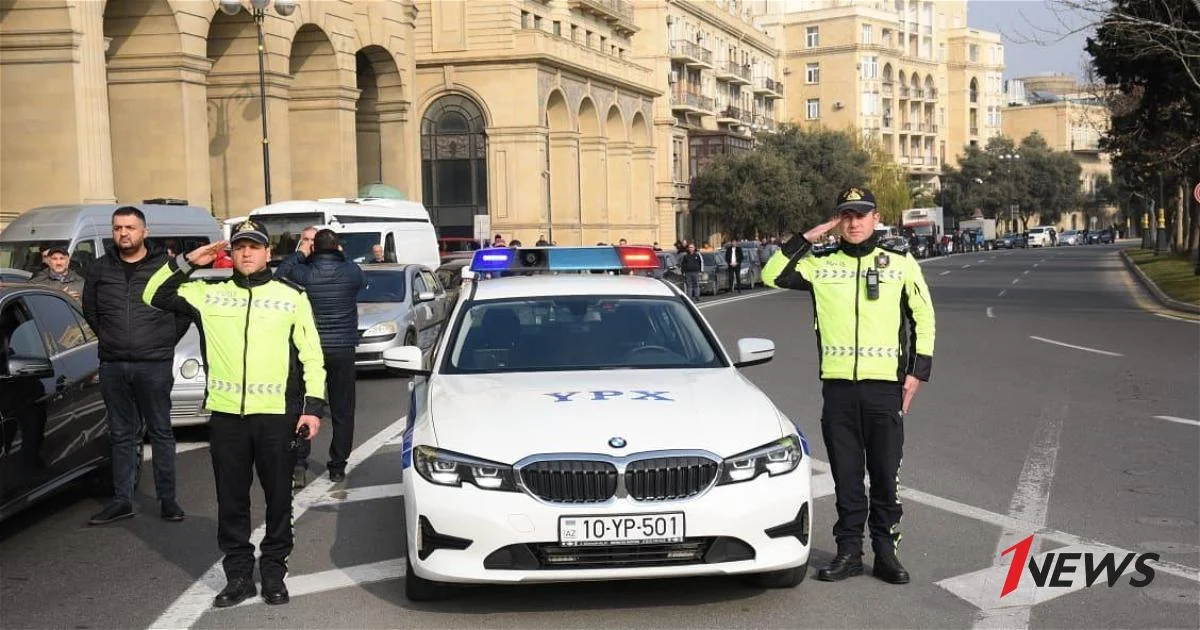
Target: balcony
[[931, 128], [887, 122], [768, 87], [685, 100], [974, 131], [931, 94], [906, 126], [764, 123], [619, 13], [691, 54], [918, 93], [729, 116], [974, 96], [1085, 146], [904, 91], [927, 29], [887, 89], [916, 160], [730, 72]]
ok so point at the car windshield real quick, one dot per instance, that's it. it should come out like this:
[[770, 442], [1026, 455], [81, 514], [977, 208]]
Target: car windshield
[[383, 286], [285, 230], [561, 333], [1036, 230], [25, 255], [357, 246]]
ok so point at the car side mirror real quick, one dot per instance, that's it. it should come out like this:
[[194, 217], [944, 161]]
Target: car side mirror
[[30, 367], [407, 360], [426, 296], [754, 351]]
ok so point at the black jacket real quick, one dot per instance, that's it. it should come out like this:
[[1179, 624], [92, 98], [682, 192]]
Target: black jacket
[[332, 285], [128, 329], [741, 255], [69, 281], [691, 263]]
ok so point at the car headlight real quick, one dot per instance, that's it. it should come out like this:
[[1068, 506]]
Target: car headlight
[[382, 329], [446, 468], [776, 458], [189, 369]]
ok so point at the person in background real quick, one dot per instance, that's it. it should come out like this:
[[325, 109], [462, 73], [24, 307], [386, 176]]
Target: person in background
[[58, 274], [377, 254], [332, 285], [733, 258], [692, 266]]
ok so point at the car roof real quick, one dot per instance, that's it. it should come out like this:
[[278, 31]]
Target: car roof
[[570, 284], [386, 266]]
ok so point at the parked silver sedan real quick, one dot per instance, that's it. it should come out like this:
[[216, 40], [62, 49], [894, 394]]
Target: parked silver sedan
[[187, 396], [402, 305]]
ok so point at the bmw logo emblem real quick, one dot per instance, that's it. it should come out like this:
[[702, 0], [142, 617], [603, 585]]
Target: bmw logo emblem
[[617, 442]]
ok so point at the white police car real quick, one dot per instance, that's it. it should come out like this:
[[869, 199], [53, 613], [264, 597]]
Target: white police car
[[590, 426]]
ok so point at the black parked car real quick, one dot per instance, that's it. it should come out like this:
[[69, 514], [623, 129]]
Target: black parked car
[[668, 269], [52, 417]]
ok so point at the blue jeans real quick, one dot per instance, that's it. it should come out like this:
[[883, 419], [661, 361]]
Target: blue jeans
[[691, 281], [138, 394]]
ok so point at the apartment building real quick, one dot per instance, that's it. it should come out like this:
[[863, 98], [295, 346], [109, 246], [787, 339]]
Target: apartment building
[[908, 74], [1072, 118], [720, 76]]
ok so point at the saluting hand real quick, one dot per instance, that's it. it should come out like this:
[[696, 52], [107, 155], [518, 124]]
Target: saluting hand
[[205, 254], [812, 235]]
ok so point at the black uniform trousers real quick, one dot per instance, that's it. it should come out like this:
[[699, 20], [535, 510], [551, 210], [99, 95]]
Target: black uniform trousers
[[242, 446], [340, 384], [862, 427]]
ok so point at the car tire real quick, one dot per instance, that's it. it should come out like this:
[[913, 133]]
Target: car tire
[[784, 578], [418, 589]]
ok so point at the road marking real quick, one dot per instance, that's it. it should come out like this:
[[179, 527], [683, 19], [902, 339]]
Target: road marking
[[739, 298], [1178, 319], [967, 266], [1016, 280], [990, 314], [1179, 420], [1035, 265], [1068, 345], [365, 493], [1002, 293], [982, 261], [1030, 503], [180, 447], [358, 575], [1025, 273], [944, 273], [187, 609]]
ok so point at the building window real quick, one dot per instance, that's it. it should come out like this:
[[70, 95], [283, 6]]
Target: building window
[[587, 39], [603, 43], [866, 33], [574, 33], [525, 16], [870, 67], [537, 22], [812, 109], [812, 73], [677, 160], [973, 52], [454, 164], [812, 36], [558, 28]]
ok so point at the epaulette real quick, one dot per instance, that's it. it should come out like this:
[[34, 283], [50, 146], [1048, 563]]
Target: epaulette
[[893, 249], [284, 281]]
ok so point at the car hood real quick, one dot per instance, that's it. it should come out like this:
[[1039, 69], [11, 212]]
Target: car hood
[[505, 417], [371, 313]]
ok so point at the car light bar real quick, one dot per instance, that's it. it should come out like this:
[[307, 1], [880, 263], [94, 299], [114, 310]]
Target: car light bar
[[605, 258]]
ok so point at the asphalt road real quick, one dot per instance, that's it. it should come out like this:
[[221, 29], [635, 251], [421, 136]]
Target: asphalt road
[[1092, 446]]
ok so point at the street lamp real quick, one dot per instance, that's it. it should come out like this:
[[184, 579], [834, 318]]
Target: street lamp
[[1008, 159], [258, 8]]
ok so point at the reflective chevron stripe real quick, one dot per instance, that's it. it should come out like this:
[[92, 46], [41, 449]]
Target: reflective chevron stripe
[[875, 352]]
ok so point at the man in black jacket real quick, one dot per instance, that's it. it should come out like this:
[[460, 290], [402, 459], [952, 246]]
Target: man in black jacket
[[733, 258], [332, 285], [691, 264], [137, 347]]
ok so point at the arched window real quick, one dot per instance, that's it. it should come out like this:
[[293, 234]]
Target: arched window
[[454, 164]]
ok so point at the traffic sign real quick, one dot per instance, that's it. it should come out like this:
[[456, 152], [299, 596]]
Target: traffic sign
[[1196, 193]]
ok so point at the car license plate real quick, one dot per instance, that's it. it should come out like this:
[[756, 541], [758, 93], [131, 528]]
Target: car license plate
[[620, 529]]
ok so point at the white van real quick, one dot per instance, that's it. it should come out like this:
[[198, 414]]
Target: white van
[[405, 243], [287, 219], [86, 231]]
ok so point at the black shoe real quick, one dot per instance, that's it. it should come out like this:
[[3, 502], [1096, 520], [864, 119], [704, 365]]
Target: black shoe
[[299, 478], [844, 565], [171, 511], [337, 476], [236, 591], [114, 511], [274, 592], [889, 569]]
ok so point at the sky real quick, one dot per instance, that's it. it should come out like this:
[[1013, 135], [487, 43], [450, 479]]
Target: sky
[[1031, 30]]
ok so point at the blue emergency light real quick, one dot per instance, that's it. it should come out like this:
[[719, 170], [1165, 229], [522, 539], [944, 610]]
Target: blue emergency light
[[606, 258]]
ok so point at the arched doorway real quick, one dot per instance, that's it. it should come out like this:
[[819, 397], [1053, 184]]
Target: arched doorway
[[454, 164], [380, 118], [593, 218], [562, 164], [642, 184], [321, 105], [620, 155]]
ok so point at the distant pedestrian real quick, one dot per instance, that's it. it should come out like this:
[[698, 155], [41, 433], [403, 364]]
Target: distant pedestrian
[[691, 264], [733, 258], [137, 350], [58, 274], [332, 285]]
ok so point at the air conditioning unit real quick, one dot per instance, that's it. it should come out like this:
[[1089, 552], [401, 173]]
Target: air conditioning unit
[[838, 105], [674, 76]]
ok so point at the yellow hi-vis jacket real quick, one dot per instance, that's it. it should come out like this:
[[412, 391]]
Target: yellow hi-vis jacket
[[859, 338], [258, 337]]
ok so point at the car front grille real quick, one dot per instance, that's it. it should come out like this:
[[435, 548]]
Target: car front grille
[[668, 478], [690, 551], [571, 481], [189, 409]]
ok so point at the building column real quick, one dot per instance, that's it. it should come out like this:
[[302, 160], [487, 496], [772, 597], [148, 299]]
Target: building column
[[596, 216], [518, 201], [399, 148], [54, 132], [645, 210], [564, 187], [169, 158], [235, 142], [620, 169], [323, 148]]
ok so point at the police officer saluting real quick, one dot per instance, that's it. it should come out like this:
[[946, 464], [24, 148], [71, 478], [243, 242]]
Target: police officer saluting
[[875, 329], [266, 386]]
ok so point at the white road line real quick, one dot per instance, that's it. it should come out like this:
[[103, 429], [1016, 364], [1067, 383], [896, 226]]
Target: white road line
[[187, 609], [739, 298], [944, 273], [990, 314], [1025, 273], [1178, 420], [1002, 293], [1016, 280], [346, 577], [981, 260], [1035, 265], [180, 447], [1068, 345], [967, 266], [1030, 503], [1178, 319], [365, 493]]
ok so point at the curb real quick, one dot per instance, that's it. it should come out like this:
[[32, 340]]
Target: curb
[[1162, 298]]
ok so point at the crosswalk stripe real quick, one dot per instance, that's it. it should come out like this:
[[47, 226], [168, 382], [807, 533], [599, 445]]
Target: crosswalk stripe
[[365, 493]]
